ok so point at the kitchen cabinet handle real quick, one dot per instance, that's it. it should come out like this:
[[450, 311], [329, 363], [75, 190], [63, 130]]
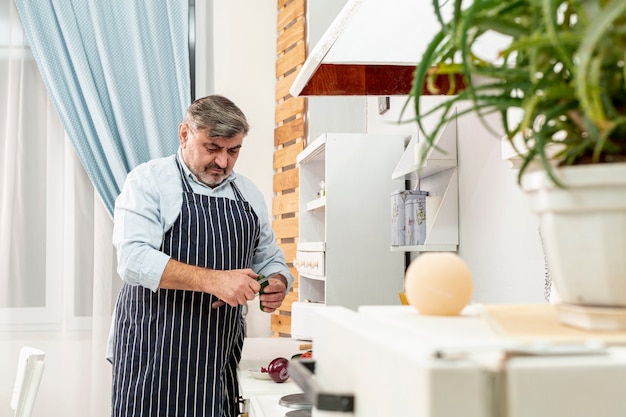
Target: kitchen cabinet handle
[[302, 371]]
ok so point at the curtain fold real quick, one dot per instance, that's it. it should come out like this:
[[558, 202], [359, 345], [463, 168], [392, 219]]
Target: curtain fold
[[118, 75], [22, 171]]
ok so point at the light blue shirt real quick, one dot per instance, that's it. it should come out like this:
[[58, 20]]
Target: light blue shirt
[[149, 204]]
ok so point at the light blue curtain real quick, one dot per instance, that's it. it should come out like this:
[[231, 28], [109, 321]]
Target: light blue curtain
[[118, 75]]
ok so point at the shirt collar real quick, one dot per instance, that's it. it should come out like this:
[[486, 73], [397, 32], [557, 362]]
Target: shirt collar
[[191, 176]]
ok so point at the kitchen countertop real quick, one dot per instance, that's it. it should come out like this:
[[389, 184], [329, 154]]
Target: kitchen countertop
[[263, 394], [267, 406], [250, 386]]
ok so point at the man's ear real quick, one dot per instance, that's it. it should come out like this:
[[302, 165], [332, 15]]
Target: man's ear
[[183, 131]]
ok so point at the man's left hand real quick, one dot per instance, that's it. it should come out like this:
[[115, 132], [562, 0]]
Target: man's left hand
[[274, 294]]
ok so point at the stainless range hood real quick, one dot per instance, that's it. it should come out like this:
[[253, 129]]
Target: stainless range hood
[[371, 48]]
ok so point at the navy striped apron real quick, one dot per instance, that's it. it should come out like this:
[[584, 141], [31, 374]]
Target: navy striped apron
[[174, 355]]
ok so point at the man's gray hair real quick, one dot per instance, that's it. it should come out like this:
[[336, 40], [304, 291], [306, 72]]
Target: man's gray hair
[[217, 114]]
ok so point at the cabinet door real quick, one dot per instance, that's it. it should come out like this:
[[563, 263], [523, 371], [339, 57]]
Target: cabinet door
[[354, 221]]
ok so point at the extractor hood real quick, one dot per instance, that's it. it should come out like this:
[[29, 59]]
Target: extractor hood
[[371, 48]]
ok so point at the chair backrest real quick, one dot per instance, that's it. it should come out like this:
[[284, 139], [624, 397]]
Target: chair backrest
[[29, 372]]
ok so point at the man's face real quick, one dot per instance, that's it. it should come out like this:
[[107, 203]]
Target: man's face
[[210, 159]]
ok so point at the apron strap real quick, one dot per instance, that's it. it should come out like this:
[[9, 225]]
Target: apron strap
[[183, 178]]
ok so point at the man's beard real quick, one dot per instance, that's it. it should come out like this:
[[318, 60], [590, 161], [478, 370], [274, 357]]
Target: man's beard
[[210, 178]]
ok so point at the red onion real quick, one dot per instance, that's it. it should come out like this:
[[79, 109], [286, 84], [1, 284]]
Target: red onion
[[277, 369]]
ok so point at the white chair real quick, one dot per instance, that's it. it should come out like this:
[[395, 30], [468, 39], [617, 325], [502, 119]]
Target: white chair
[[29, 372]]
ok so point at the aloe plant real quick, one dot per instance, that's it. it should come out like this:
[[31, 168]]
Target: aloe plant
[[562, 67]]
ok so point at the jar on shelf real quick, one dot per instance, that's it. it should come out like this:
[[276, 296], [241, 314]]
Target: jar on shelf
[[322, 190]]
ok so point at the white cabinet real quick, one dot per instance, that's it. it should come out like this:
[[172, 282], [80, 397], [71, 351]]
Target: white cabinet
[[491, 360], [438, 175], [343, 255]]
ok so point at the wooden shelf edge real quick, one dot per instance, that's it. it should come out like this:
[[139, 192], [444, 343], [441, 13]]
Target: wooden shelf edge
[[373, 80]]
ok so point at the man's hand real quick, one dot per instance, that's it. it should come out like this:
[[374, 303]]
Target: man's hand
[[233, 287], [274, 294]]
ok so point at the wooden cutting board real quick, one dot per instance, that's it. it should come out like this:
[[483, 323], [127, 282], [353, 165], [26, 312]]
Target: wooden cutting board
[[540, 323]]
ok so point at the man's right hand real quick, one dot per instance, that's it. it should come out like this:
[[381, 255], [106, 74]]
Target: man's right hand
[[233, 287]]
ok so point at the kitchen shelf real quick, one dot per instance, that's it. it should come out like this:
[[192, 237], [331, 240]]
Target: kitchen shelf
[[317, 203], [313, 152], [314, 277], [440, 158], [342, 251], [312, 246], [424, 248], [437, 174], [411, 168]]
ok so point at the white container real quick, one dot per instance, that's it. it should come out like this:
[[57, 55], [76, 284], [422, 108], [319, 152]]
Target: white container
[[398, 223], [408, 217], [415, 217], [583, 227]]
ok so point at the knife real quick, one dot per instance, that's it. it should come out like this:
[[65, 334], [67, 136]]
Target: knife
[[261, 279]]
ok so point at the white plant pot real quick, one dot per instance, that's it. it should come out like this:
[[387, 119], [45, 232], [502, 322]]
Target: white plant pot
[[583, 227]]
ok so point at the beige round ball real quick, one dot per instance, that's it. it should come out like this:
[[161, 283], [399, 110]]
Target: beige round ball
[[438, 284]]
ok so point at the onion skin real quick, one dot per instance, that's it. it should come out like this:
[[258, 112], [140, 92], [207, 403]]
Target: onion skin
[[278, 371]]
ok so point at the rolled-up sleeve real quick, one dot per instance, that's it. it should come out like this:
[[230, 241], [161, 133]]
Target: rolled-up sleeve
[[138, 231]]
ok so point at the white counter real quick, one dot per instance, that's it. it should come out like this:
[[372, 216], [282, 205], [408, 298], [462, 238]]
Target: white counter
[[267, 406], [513, 360], [263, 395]]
